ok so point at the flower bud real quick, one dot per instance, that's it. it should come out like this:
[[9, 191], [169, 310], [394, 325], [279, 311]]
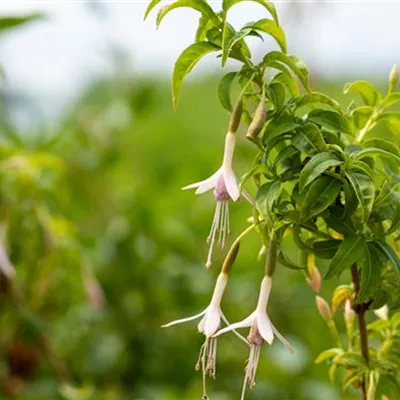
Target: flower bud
[[393, 78], [230, 258], [323, 308], [314, 281], [270, 261], [236, 115], [349, 313], [258, 121]]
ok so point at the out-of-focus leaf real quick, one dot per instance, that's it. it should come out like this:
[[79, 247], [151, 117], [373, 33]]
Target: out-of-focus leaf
[[150, 7], [373, 151], [317, 166], [365, 89], [266, 196], [227, 4], [321, 194], [200, 6], [309, 140], [326, 249], [204, 25], [13, 22], [349, 252], [365, 191], [392, 99], [185, 63], [327, 354]]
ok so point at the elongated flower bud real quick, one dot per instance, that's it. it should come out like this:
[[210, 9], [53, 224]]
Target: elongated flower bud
[[393, 78], [236, 115], [323, 308], [270, 262], [314, 280], [258, 120], [230, 258]]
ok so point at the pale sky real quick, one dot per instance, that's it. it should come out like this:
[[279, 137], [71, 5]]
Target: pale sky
[[54, 57]]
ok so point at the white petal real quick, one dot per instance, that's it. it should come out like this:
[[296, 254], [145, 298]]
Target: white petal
[[265, 327], [265, 290], [282, 339], [201, 324], [242, 324], [204, 186], [231, 183], [180, 321], [212, 321]]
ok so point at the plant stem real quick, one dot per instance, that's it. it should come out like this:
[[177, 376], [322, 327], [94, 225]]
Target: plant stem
[[360, 310]]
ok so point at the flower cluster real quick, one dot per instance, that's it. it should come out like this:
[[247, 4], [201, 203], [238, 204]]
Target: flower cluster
[[226, 188]]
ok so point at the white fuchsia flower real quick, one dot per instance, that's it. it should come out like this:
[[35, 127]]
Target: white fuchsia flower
[[225, 187], [261, 329], [208, 326]]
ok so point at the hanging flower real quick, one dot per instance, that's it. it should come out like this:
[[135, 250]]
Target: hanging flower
[[208, 326], [225, 187], [261, 329]]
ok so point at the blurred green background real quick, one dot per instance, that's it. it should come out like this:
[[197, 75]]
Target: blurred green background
[[107, 248]]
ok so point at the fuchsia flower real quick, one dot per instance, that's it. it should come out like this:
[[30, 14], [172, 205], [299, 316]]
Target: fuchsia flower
[[208, 326], [261, 329], [225, 187]]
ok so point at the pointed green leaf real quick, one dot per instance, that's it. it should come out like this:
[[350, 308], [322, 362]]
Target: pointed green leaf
[[266, 196], [13, 22], [271, 28], [200, 6], [280, 126], [336, 221], [224, 90], [321, 194], [326, 249], [276, 92], [227, 4], [330, 120], [315, 97], [370, 268], [299, 70], [392, 99], [373, 151], [309, 140], [317, 166], [227, 47], [350, 251], [385, 249], [288, 81], [365, 191], [204, 25], [152, 4], [325, 355], [184, 64], [365, 89]]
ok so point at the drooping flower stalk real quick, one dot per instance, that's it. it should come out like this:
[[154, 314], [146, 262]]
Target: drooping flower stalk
[[210, 322], [261, 327]]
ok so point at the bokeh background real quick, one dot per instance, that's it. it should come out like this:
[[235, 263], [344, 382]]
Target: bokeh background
[[105, 244]]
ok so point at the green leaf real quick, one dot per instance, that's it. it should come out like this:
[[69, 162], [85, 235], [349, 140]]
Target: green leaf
[[370, 268], [373, 151], [367, 91], [361, 115], [227, 4], [288, 81], [392, 99], [275, 56], [224, 90], [287, 263], [385, 249], [227, 47], [387, 196], [325, 355], [288, 159], [280, 126], [271, 28], [152, 4], [383, 145], [326, 249], [365, 191], [317, 166], [321, 194], [266, 196], [185, 63], [204, 25], [276, 92], [309, 140], [315, 97], [13, 22], [350, 251], [336, 221], [200, 6], [330, 120]]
